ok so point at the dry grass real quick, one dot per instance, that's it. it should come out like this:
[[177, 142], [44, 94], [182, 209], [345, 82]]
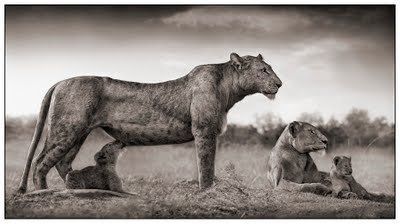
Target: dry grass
[[163, 177]]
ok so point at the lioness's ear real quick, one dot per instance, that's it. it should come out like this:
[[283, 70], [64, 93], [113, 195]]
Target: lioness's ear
[[99, 157], [294, 128], [237, 61], [336, 160], [260, 57]]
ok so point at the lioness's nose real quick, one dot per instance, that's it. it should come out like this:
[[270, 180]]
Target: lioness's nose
[[323, 138], [278, 82]]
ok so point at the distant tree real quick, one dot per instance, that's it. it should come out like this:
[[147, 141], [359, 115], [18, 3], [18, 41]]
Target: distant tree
[[13, 127], [383, 132], [358, 127], [267, 122], [270, 127], [20, 127], [314, 118], [240, 134], [381, 125], [333, 122], [335, 133]]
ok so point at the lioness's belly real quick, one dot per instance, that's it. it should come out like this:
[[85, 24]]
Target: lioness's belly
[[151, 134], [139, 121]]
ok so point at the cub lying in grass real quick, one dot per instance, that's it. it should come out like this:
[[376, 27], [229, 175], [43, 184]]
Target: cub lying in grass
[[101, 176], [345, 186]]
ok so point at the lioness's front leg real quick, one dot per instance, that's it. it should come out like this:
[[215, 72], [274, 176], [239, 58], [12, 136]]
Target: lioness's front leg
[[315, 188], [206, 123], [205, 149], [313, 175], [276, 176]]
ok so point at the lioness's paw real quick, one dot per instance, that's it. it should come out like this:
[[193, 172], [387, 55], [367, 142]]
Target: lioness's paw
[[316, 188], [349, 195], [323, 190]]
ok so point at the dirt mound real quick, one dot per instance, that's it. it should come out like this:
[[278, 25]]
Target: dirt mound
[[227, 197]]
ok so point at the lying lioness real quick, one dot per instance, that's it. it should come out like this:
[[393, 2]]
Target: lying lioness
[[345, 186], [291, 167]]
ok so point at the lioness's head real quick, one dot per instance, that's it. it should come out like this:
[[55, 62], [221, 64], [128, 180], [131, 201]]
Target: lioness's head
[[306, 138], [342, 165], [109, 154], [255, 75]]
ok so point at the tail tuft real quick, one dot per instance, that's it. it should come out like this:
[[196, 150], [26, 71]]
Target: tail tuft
[[21, 190]]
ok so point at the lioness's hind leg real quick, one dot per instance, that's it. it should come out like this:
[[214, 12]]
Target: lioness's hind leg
[[57, 145], [65, 165], [39, 160], [54, 155]]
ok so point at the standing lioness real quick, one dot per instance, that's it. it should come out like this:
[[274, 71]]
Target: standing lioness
[[290, 165], [193, 107]]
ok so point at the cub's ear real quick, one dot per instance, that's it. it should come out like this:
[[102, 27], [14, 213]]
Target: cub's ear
[[260, 57], [237, 61], [336, 159], [294, 128]]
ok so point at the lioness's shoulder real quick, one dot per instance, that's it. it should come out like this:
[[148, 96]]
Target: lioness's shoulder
[[211, 72]]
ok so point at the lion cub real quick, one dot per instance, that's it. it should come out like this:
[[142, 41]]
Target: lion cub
[[341, 179], [345, 186], [101, 176]]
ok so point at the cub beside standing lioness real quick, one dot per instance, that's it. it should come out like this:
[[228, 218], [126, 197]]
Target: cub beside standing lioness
[[101, 176]]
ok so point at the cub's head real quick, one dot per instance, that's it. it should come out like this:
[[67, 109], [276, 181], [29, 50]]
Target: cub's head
[[109, 154], [255, 76], [306, 138], [342, 165]]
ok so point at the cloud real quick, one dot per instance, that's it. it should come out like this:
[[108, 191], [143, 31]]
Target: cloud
[[290, 23], [322, 46], [240, 18]]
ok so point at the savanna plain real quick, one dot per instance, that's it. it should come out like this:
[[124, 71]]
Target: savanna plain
[[163, 181]]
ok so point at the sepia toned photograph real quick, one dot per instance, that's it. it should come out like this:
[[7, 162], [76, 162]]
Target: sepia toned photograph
[[199, 111]]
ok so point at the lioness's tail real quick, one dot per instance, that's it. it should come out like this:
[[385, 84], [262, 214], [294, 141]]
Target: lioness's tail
[[380, 197], [36, 137]]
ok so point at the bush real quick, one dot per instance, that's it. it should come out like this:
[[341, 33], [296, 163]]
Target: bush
[[356, 130]]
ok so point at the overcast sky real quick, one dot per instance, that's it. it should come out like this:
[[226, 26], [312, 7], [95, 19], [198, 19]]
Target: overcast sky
[[330, 59]]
